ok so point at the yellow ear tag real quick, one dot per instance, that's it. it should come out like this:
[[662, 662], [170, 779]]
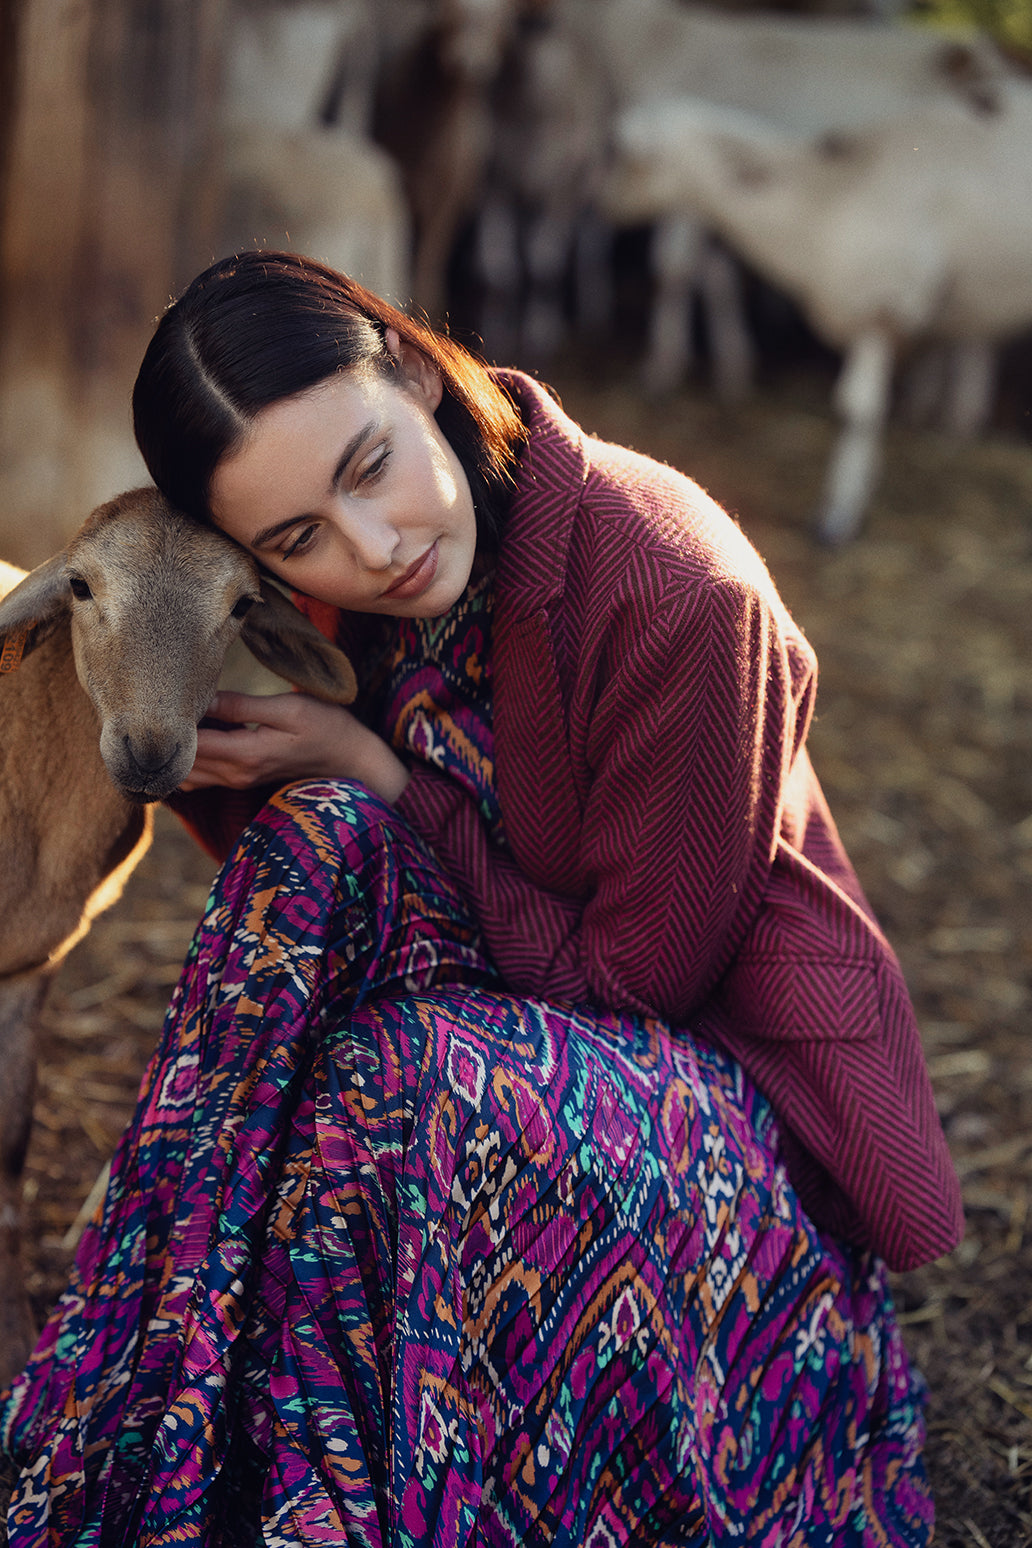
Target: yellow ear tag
[[14, 648]]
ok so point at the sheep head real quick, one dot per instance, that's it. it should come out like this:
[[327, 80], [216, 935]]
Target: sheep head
[[154, 601]]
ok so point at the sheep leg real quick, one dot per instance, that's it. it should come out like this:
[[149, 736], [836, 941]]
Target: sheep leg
[[971, 382], [438, 211], [734, 366], [861, 399], [674, 258], [924, 386], [498, 264], [592, 264], [442, 192], [21, 1000], [549, 244], [430, 266]]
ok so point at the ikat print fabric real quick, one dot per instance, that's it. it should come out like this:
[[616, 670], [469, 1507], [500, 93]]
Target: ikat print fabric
[[434, 692]]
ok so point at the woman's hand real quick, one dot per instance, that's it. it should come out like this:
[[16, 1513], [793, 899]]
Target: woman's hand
[[273, 739]]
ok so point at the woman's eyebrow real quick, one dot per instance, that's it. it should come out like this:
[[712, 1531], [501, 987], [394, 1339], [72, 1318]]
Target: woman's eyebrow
[[351, 448], [268, 534]]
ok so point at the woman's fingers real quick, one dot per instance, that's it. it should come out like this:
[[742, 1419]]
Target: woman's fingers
[[275, 709], [232, 757], [248, 739]]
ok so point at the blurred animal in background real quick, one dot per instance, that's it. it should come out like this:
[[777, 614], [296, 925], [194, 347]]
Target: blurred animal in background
[[381, 137], [438, 60], [814, 75], [111, 651], [538, 229], [298, 166], [916, 228]]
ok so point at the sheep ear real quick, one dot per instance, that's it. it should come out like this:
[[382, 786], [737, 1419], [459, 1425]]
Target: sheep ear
[[32, 610], [285, 641]]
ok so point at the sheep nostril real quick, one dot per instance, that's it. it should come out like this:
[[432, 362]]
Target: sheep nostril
[[149, 758]]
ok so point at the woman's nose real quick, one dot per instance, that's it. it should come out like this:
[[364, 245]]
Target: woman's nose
[[371, 537]]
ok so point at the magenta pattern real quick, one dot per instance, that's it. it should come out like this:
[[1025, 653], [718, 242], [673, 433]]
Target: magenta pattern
[[434, 696], [390, 1256]]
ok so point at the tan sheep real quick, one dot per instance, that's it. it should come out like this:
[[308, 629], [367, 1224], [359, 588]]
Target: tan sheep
[[109, 656]]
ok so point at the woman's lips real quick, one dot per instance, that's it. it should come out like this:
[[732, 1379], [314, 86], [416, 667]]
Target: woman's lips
[[416, 579]]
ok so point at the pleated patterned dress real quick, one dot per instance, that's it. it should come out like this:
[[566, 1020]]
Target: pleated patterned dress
[[392, 1257]]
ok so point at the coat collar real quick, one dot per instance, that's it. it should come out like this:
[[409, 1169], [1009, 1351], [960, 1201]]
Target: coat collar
[[550, 480]]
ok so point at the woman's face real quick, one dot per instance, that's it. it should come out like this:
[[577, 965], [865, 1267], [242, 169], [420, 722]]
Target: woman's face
[[351, 493]]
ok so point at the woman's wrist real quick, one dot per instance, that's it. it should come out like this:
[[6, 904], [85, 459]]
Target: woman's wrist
[[378, 766]]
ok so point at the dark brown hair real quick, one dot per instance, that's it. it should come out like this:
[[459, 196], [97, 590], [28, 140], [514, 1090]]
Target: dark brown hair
[[261, 326]]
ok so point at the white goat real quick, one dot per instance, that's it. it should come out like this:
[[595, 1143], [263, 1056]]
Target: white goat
[[917, 228], [111, 652], [288, 177], [809, 74]]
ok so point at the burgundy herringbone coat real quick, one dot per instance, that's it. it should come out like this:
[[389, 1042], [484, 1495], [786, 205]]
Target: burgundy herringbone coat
[[671, 850]]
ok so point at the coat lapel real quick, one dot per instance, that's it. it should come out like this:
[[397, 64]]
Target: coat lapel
[[532, 752], [532, 757]]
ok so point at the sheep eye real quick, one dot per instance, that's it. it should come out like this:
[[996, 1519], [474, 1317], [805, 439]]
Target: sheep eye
[[243, 607], [79, 588]]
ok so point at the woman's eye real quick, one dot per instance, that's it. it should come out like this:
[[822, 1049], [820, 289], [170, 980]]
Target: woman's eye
[[301, 542], [376, 467]]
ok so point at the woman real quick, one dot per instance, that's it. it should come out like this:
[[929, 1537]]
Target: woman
[[455, 1208]]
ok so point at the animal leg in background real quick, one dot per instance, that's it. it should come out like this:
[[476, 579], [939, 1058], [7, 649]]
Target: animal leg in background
[[732, 356], [548, 245], [594, 290], [970, 387], [861, 400], [497, 258], [674, 254], [21, 1001], [686, 260]]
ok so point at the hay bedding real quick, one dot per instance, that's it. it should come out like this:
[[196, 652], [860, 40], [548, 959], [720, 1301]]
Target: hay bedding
[[924, 743]]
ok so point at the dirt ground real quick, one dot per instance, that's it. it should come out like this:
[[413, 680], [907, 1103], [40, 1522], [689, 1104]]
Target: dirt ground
[[924, 744]]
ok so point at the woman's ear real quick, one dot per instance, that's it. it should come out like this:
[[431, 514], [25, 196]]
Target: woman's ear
[[418, 373]]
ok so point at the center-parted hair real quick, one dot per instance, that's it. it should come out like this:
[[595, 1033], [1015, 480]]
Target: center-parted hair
[[258, 327]]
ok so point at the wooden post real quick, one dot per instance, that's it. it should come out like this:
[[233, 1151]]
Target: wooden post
[[104, 218]]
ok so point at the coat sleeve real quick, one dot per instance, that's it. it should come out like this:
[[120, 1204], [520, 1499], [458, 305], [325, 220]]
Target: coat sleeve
[[684, 760], [216, 816]]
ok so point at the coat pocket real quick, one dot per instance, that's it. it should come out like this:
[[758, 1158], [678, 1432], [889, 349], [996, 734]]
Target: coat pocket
[[803, 999]]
